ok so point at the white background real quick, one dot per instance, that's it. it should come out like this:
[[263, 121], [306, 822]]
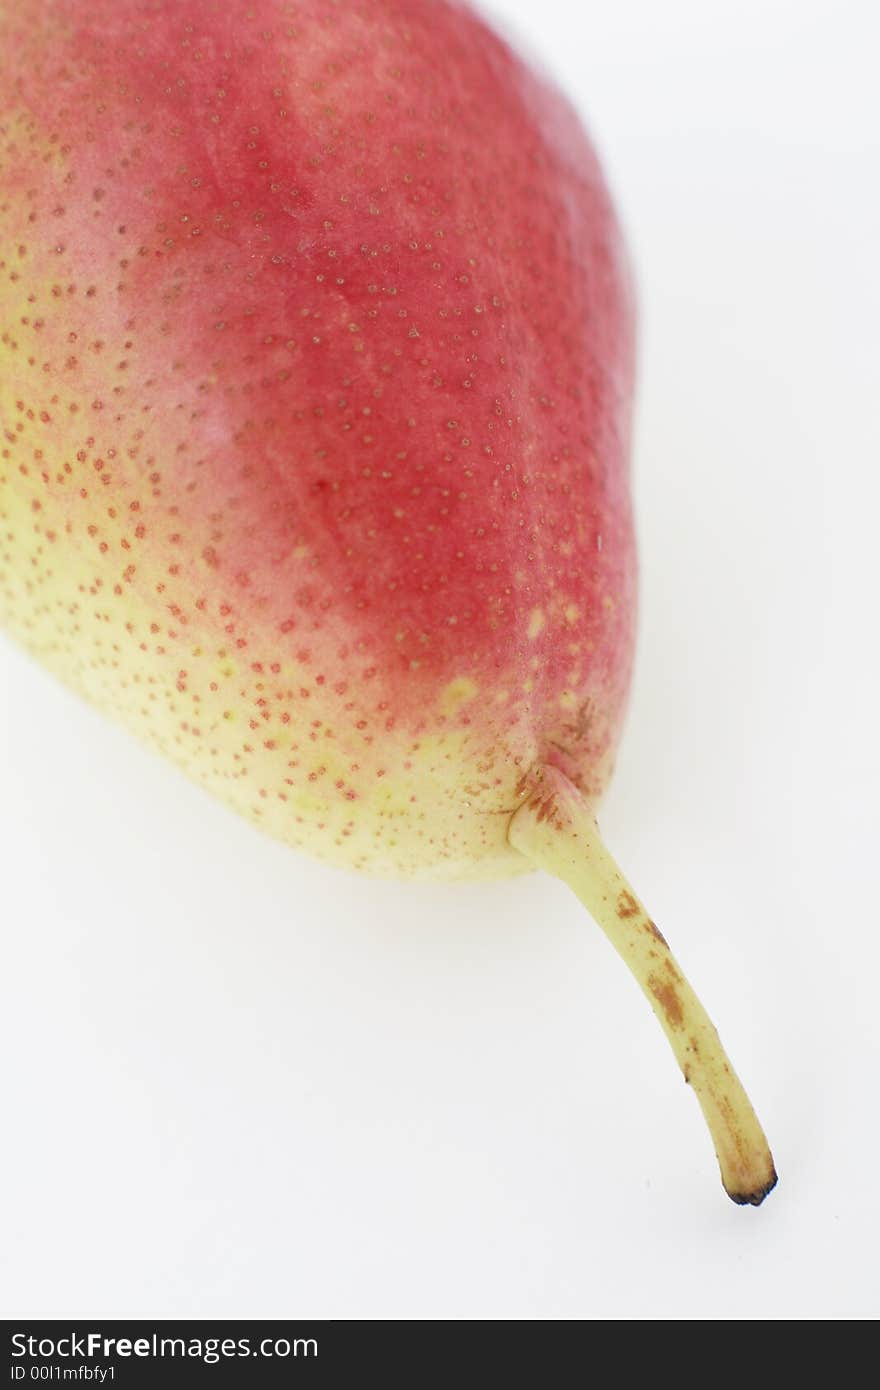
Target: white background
[[237, 1083]]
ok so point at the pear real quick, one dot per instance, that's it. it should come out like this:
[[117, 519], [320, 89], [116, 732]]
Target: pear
[[317, 366]]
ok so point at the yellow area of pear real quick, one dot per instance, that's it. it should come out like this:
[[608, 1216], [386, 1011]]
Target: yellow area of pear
[[397, 805]]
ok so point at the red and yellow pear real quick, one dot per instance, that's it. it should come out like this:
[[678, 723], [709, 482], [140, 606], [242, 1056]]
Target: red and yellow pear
[[315, 387]]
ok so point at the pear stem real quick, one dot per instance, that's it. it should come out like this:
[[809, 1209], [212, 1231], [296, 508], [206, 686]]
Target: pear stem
[[556, 829]]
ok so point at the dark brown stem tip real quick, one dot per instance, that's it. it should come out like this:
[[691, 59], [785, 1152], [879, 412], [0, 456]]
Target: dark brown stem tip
[[756, 1196]]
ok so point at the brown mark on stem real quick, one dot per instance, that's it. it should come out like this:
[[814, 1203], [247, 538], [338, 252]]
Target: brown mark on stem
[[656, 932], [545, 809], [627, 905], [672, 971], [668, 999]]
